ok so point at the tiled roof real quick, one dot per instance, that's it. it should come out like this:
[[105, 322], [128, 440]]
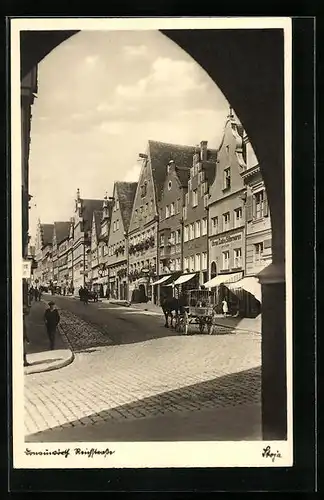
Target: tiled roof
[[126, 193], [161, 153], [62, 230], [47, 234], [98, 217], [90, 206]]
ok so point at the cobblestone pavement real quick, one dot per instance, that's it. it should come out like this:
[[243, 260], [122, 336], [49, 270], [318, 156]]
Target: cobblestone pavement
[[139, 378]]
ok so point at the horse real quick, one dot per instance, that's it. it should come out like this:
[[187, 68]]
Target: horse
[[170, 305]]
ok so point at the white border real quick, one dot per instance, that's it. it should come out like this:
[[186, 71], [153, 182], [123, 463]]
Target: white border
[[164, 454]]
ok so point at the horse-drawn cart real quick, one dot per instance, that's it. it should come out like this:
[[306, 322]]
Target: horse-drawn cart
[[201, 310]]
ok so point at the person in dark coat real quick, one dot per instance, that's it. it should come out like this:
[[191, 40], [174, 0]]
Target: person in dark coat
[[52, 319]]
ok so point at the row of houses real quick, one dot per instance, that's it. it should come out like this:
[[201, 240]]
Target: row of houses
[[196, 214]]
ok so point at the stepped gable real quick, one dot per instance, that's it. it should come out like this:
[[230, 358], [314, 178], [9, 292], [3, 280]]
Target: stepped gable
[[160, 154], [126, 192], [88, 207], [62, 231], [47, 234]]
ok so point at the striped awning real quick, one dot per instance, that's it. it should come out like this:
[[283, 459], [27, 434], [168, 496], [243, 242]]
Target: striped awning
[[162, 280], [250, 284], [223, 278], [183, 279]]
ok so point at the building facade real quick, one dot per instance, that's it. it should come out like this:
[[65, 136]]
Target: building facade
[[227, 232], [83, 215], [43, 253], [94, 248], [195, 216], [60, 247], [103, 271], [117, 259]]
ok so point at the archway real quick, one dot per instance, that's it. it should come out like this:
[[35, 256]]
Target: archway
[[213, 270], [248, 67]]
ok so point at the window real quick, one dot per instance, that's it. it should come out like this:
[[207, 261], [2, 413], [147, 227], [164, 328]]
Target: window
[[162, 240], [186, 233], [178, 236], [191, 231], [114, 226], [187, 199], [178, 206], [167, 211], [206, 199], [184, 213], [197, 229], [192, 263], [227, 178], [238, 213], [197, 262], [194, 198], [259, 204], [117, 224], [204, 260], [172, 209], [237, 257], [189, 185], [203, 188], [186, 264], [214, 225], [204, 226], [225, 260], [172, 238], [169, 185], [226, 221], [258, 252]]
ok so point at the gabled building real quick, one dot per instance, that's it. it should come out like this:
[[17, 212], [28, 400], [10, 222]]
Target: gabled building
[[195, 217], [103, 246], [94, 248], [60, 250], [84, 209], [70, 256], [227, 231], [43, 253], [117, 260], [143, 229]]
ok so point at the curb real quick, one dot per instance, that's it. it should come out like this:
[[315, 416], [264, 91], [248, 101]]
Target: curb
[[237, 328], [64, 362]]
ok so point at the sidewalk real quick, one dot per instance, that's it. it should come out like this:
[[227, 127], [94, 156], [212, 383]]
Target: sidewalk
[[39, 355], [244, 324]]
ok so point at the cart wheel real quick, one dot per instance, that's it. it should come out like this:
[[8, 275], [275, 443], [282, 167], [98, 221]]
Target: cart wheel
[[211, 329], [201, 326]]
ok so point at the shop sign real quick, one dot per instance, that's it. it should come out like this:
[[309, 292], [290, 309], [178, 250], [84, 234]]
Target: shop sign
[[223, 240], [26, 269]]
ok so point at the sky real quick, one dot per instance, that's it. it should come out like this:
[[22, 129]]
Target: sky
[[101, 96]]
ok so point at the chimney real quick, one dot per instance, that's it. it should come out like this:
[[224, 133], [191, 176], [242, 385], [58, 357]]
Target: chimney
[[203, 150]]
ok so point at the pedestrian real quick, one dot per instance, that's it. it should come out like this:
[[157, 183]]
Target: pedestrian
[[225, 307], [40, 291], [31, 294], [52, 319], [25, 336]]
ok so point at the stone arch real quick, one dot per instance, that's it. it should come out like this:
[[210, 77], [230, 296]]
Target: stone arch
[[248, 67]]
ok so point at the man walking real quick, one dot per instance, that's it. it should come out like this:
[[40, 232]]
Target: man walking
[[52, 319]]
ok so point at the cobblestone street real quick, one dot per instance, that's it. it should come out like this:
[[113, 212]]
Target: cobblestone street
[[128, 367]]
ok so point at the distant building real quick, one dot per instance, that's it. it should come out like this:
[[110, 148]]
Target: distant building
[[226, 209], [117, 260], [43, 253], [60, 250], [83, 216], [103, 274], [94, 248], [195, 217]]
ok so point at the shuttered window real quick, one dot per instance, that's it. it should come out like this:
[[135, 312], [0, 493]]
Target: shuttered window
[[249, 208]]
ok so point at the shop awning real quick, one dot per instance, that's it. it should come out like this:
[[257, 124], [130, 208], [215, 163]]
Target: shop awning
[[162, 280], [223, 278], [250, 284], [183, 279]]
